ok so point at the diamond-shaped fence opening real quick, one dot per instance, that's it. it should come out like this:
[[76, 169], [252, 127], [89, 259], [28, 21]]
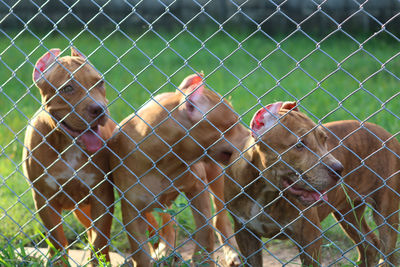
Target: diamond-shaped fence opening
[[200, 132]]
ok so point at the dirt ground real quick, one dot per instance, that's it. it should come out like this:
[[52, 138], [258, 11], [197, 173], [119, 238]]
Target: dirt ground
[[277, 254]]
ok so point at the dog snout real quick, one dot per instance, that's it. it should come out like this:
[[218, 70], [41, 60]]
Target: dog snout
[[336, 169], [96, 110]]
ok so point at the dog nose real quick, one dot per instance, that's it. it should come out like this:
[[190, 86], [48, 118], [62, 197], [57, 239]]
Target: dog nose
[[336, 169], [95, 110]]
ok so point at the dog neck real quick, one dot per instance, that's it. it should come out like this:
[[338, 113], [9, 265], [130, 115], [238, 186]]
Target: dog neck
[[255, 167], [55, 137]]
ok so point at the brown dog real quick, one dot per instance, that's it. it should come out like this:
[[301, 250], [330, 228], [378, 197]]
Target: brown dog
[[64, 158], [292, 156], [155, 150]]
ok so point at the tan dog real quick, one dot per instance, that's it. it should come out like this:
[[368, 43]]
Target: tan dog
[[293, 157], [64, 158], [155, 150], [211, 174]]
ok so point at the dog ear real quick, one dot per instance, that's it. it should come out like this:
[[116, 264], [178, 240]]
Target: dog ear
[[290, 106], [75, 53], [193, 80], [44, 62], [264, 119], [195, 104]]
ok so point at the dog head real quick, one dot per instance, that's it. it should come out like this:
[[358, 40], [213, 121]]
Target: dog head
[[212, 119], [206, 121], [73, 93], [292, 150]]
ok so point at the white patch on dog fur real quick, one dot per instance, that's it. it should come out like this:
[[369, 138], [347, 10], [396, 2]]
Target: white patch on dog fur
[[251, 220], [231, 257], [61, 177], [162, 250], [256, 222], [72, 158], [255, 209], [50, 181], [87, 178]]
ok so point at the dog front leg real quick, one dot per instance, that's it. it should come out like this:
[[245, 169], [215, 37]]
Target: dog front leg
[[201, 209], [136, 229], [51, 217], [168, 233], [102, 210], [307, 233], [222, 223], [83, 214], [166, 243], [249, 244]]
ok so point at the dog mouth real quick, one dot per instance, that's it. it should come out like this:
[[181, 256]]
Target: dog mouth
[[90, 138], [223, 156], [305, 195]]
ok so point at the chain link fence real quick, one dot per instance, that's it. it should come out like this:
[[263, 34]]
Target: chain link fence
[[188, 162]]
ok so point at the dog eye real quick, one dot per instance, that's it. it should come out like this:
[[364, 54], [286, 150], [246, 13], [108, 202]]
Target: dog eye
[[299, 145], [67, 89], [100, 85]]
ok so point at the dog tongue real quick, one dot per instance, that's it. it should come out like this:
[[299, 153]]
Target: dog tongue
[[91, 140], [317, 196]]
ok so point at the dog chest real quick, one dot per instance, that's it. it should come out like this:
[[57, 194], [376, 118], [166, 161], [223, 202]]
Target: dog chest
[[71, 170], [258, 220], [258, 213]]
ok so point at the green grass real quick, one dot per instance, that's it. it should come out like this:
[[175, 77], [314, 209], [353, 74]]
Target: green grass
[[9, 256], [266, 72]]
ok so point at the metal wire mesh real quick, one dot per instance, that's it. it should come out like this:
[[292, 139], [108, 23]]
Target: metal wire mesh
[[338, 60]]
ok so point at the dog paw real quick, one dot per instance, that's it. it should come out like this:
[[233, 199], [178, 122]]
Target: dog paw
[[232, 258], [162, 251]]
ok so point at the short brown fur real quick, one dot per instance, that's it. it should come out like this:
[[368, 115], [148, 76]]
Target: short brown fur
[[56, 166], [363, 141], [149, 137]]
